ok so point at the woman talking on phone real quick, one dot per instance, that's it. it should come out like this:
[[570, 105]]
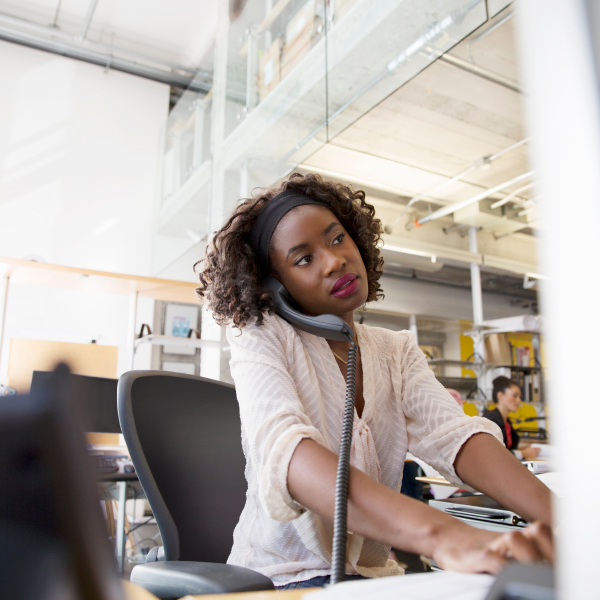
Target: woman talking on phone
[[320, 240]]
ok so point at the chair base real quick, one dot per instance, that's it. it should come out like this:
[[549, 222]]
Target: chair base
[[175, 579]]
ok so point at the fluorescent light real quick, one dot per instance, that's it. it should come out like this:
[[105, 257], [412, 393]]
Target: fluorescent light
[[433, 257]]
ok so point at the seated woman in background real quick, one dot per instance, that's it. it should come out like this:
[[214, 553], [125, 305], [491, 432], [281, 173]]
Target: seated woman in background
[[507, 397]]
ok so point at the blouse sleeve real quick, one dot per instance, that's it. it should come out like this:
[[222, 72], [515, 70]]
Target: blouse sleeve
[[272, 416], [437, 426]]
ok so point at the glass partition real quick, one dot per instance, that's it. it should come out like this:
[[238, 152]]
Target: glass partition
[[288, 76]]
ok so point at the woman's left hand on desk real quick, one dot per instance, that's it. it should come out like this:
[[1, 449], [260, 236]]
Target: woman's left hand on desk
[[473, 549]]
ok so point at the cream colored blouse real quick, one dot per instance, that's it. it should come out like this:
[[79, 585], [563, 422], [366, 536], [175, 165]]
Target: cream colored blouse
[[289, 387]]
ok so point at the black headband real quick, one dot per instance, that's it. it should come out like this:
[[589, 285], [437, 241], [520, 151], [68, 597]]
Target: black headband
[[268, 220]]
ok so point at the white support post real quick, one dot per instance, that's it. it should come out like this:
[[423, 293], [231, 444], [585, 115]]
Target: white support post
[[412, 325], [268, 34], [177, 161], [478, 340], [210, 358], [4, 285], [562, 106], [131, 324], [121, 537], [199, 134], [251, 68]]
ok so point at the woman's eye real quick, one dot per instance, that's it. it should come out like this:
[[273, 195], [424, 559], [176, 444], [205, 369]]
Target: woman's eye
[[339, 238], [302, 261]]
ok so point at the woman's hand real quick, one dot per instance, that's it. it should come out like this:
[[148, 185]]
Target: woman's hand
[[473, 550], [530, 453]]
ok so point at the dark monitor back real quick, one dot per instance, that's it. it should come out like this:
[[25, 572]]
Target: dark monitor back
[[190, 432], [96, 400], [53, 540]]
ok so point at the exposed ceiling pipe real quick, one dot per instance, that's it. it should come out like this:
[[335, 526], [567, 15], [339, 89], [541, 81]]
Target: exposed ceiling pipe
[[446, 210], [104, 58], [492, 28], [13, 24], [465, 65], [88, 18], [508, 198], [483, 162]]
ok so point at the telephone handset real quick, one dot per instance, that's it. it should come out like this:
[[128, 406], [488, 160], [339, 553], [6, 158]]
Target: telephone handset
[[330, 327]]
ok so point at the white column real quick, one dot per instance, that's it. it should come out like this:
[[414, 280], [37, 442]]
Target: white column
[[478, 340], [199, 133], [251, 68], [210, 358], [412, 325], [131, 324], [563, 114]]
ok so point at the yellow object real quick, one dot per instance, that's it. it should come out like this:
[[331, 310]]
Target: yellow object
[[470, 409], [522, 340], [524, 412]]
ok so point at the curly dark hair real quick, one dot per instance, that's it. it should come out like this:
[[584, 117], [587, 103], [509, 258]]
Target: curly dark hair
[[231, 280]]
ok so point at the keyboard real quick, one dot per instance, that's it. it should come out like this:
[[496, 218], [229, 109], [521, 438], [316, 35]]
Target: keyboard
[[104, 465]]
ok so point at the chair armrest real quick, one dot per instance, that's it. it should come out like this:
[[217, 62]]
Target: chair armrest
[[174, 579]]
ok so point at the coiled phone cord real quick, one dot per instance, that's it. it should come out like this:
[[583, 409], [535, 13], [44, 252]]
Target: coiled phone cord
[[340, 518]]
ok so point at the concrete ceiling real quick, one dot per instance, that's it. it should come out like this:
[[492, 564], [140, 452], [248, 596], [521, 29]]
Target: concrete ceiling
[[438, 125]]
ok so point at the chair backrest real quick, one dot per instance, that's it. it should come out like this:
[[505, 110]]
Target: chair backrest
[[184, 437]]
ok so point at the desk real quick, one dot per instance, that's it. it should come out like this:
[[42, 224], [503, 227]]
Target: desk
[[282, 595], [435, 481]]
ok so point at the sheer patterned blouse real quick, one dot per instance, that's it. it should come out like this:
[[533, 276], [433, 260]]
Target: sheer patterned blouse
[[289, 387]]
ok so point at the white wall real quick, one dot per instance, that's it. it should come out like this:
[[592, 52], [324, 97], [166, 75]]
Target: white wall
[[78, 162]]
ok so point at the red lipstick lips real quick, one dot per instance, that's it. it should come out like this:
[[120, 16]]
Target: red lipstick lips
[[347, 284]]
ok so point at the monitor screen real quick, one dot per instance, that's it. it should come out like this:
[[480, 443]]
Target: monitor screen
[[96, 397]]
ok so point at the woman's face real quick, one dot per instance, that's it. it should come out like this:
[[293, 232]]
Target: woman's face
[[511, 398], [318, 262]]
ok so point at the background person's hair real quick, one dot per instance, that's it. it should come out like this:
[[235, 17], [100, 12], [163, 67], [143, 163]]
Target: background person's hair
[[230, 278], [501, 384]]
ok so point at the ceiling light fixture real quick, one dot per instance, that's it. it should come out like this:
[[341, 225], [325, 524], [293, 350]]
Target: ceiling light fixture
[[402, 250]]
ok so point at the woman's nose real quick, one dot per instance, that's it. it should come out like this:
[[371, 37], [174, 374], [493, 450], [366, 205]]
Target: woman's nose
[[333, 262]]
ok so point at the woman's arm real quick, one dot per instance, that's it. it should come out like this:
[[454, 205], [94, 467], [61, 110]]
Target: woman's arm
[[487, 466], [380, 513]]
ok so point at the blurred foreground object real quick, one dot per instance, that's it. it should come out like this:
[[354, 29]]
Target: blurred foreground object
[[53, 541]]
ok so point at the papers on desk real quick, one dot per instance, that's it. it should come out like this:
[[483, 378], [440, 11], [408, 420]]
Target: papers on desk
[[424, 586], [547, 451]]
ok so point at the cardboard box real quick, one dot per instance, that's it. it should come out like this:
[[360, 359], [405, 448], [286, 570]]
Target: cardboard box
[[269, 69], [497, 349], [293, 54]]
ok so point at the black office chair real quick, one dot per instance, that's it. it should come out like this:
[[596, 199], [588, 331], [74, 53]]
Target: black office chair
[[183, 435]]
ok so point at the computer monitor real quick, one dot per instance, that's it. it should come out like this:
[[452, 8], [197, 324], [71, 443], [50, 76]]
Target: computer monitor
[[53, 540], [96, 400]]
